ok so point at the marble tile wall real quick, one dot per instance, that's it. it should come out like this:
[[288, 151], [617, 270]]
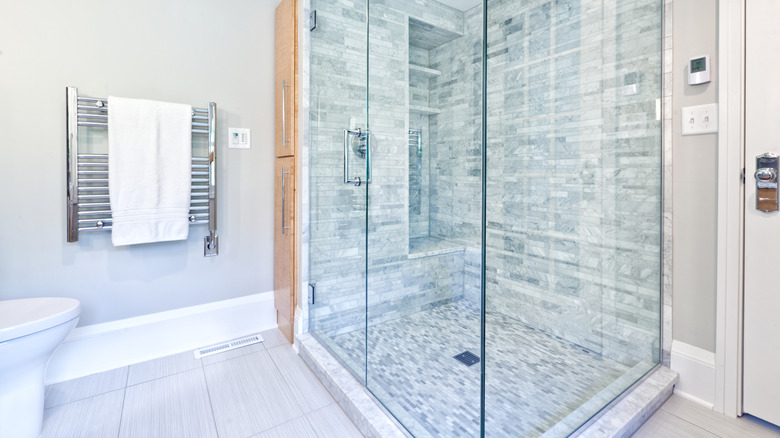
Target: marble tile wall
[[339, 254], [419, 157], [574, 201], [336, 229], [456, 148], [574, 167], [668, 68]]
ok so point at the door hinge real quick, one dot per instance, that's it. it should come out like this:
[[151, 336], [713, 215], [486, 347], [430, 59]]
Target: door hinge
[[312, 20], [311, 293], [742, 175]]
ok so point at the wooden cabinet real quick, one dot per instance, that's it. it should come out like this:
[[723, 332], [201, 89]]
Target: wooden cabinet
[[285, 78], [285, 233], [286, 143]]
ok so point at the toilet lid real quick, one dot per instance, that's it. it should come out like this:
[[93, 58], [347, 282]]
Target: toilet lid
[[30, 315]]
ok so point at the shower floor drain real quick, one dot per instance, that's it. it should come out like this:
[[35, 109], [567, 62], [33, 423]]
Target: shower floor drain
[[468, 358]]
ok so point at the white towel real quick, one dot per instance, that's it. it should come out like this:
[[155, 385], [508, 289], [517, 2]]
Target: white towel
[[149, 170]]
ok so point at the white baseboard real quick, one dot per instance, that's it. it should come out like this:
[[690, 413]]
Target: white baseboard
[[697, 373], [102, 347]]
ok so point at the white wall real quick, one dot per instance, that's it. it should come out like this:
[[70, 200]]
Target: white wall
[[191, 52], [694, 181]]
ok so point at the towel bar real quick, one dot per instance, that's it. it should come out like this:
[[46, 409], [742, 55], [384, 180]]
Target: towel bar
[[88, 206]]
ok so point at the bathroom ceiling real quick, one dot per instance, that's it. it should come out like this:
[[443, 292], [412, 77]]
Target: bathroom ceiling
[[463, 5]]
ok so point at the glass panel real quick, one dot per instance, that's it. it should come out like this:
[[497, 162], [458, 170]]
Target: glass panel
[[337, 210], [573, 209], [573, 206], [424, 213]]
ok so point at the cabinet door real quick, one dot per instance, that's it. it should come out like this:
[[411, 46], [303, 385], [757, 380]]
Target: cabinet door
[[285, 78], [284, 245]]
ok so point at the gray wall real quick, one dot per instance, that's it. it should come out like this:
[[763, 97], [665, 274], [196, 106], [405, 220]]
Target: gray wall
[[694, 181], [192, 52]]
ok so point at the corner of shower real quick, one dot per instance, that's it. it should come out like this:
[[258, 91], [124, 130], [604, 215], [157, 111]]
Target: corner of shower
[[506, 250]]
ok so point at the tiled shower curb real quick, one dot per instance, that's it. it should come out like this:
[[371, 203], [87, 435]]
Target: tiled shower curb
[[630, 411], [621, 420], [360, 406]]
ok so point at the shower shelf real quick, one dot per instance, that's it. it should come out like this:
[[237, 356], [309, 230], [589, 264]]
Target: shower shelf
[[420, 247], [424, 110], [423, 72]]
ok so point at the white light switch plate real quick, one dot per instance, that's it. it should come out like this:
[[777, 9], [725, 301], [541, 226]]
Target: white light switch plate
[[701, 119], [239, 138]]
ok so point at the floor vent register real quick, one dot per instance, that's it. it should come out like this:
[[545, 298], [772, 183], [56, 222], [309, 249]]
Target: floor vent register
[[229, 345]]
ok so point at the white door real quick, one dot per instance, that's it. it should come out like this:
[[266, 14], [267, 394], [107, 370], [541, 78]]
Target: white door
[[761, 396]]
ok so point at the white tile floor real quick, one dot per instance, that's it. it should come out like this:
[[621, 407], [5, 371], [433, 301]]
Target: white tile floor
[[681, 418], [262, 390], [266, 391]]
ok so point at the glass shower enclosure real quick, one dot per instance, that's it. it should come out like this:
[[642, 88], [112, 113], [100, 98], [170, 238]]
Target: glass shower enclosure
[[485, 206]]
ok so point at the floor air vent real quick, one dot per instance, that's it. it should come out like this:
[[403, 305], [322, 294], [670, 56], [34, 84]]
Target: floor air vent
[[468, 358], [229, 345]]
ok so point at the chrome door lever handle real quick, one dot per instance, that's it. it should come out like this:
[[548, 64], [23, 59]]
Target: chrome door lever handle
[[766, 182]]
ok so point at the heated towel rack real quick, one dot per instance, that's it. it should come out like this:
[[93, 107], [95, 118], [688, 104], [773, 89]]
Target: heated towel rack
[[88, 207]]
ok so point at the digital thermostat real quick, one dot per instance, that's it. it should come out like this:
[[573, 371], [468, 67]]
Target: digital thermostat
[[699, 70]]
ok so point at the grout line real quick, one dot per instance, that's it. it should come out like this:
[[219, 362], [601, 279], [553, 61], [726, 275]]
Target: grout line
[[164, 377], [287, 377], [211, 405], [694, 425], [83, 398], [679, 413], [122, 409], [89, 396], [200, 362], [301, 417], [268, 351]]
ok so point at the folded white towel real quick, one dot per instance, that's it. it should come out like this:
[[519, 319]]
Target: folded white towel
[[149, 170]]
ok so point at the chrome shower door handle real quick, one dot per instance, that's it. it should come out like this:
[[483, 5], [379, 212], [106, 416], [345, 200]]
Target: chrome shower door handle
[[362, 151], [284, 203], [284, 113], [346, 156]]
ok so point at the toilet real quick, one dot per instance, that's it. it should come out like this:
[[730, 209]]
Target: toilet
[[30, 330]]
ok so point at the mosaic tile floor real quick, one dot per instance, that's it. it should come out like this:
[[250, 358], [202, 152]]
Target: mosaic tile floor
[[534, 380]]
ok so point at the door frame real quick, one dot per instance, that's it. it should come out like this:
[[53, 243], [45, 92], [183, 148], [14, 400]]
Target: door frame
[[730, 211]]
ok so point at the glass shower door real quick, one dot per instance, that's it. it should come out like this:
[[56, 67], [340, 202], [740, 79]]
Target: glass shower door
[[336, 161], [574, 209], [564, 315], [424, 215]]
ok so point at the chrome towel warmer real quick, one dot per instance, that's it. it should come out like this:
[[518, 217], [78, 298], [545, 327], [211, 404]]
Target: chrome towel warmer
[[88, 207]]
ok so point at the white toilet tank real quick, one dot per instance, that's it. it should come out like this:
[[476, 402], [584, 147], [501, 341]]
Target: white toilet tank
[[30, 330], [30, 315]]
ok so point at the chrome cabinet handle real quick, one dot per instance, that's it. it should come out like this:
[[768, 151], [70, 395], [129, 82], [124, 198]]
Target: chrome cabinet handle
[[284, 193], [284, 113]]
